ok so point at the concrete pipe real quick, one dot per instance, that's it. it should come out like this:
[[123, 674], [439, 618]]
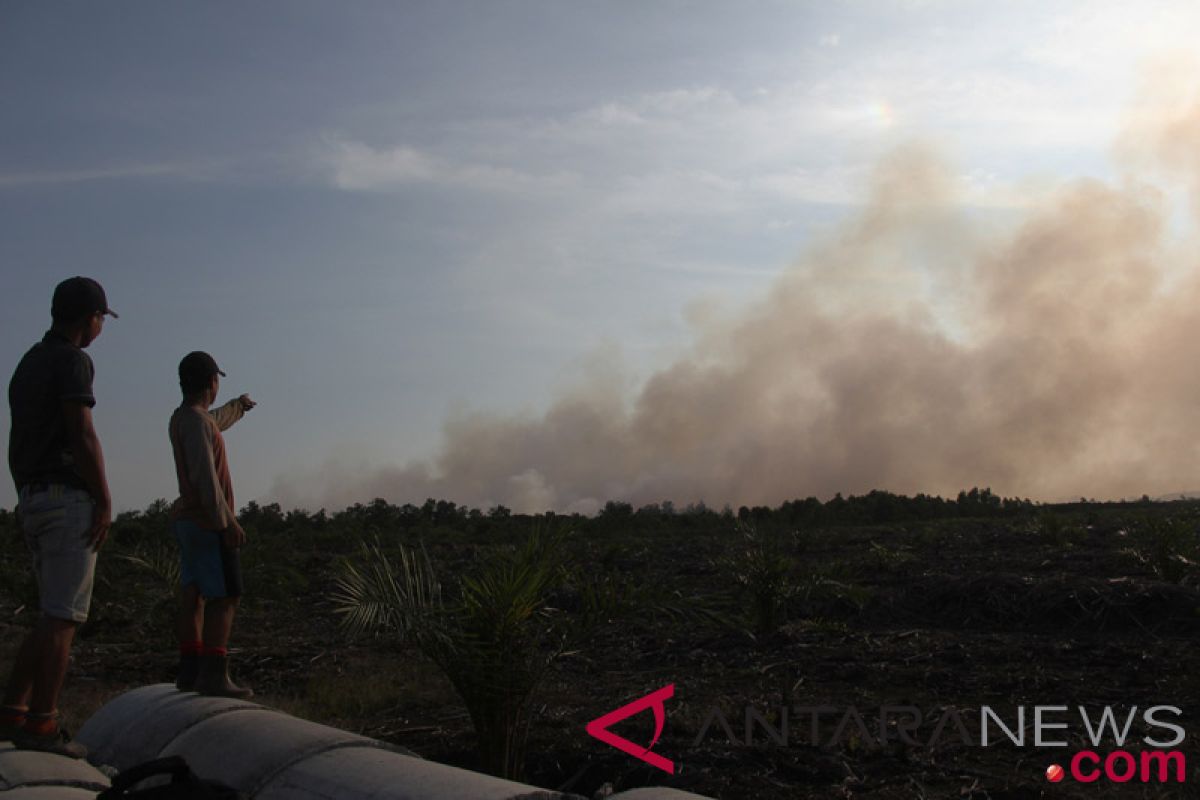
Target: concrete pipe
[[269, 754], [30, 775], [135, 727], [273, 756], [656, 793]]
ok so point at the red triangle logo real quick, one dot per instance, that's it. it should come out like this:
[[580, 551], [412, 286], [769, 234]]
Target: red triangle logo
[[599, 727]]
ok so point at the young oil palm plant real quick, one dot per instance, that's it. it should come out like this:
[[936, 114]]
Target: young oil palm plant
[[158, 560], [494, 641], [762, 567]]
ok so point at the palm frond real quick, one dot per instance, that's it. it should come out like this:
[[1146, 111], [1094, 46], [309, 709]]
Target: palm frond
[[373, 594], [495, 643], [158, 560]]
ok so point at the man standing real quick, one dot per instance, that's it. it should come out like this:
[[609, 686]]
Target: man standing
[[64, 504], [206, 526]]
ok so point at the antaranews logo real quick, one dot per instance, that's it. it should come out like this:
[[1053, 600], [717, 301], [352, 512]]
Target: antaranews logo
[[1114, 754], [656, 701]]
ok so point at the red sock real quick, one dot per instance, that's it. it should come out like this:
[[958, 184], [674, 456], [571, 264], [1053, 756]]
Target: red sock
[[191, 648], [215, 651], [42, 724], [13, 715]]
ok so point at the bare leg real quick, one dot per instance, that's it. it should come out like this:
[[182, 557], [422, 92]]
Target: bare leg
[[52, 651], [218, 621], [20, 681], [187, 628], [191, 614]]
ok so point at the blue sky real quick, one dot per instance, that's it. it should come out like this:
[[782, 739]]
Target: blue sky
[[382, 216]]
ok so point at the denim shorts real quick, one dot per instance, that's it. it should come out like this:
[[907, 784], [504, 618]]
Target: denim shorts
[[204, 560], [56, 521]]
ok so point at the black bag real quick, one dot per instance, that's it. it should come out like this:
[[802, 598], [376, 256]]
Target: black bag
[[184, 785]]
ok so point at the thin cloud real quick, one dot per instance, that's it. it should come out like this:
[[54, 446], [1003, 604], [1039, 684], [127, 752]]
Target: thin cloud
[[354, 166], [190, 170]]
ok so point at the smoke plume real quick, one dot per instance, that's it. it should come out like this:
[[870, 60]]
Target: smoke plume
[[914, 349]]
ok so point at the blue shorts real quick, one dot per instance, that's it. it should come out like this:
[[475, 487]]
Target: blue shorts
[[205, 561], [56, 521]]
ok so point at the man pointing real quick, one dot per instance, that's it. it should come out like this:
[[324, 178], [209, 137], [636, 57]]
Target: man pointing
[[206, 526]]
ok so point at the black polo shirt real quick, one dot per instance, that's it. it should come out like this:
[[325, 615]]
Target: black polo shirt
[[52, 372]]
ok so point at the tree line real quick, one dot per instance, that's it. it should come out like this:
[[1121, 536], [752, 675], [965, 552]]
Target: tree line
[[379, 515]]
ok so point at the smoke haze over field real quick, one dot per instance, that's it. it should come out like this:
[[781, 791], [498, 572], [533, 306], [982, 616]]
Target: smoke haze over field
[[912, 350], [550, 254]]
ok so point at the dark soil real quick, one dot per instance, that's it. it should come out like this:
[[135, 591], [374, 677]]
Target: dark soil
[[1092, 608]]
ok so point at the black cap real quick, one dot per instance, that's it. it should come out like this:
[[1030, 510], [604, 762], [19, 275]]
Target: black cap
[[197, 367], [77, 297]]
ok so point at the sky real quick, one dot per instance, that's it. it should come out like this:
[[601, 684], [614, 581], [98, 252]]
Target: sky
[[550, 254]]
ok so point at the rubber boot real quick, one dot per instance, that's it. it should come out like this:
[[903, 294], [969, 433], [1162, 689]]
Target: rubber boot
[[189, 668], [213, 679]]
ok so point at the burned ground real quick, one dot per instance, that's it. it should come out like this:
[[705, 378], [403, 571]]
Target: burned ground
[[904, 628]]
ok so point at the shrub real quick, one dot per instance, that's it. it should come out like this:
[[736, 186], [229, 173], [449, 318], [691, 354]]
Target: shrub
[[1170, 548], [762, 567], [495, 642]]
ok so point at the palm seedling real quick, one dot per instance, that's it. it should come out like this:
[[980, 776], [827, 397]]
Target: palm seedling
[[494, 641]]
